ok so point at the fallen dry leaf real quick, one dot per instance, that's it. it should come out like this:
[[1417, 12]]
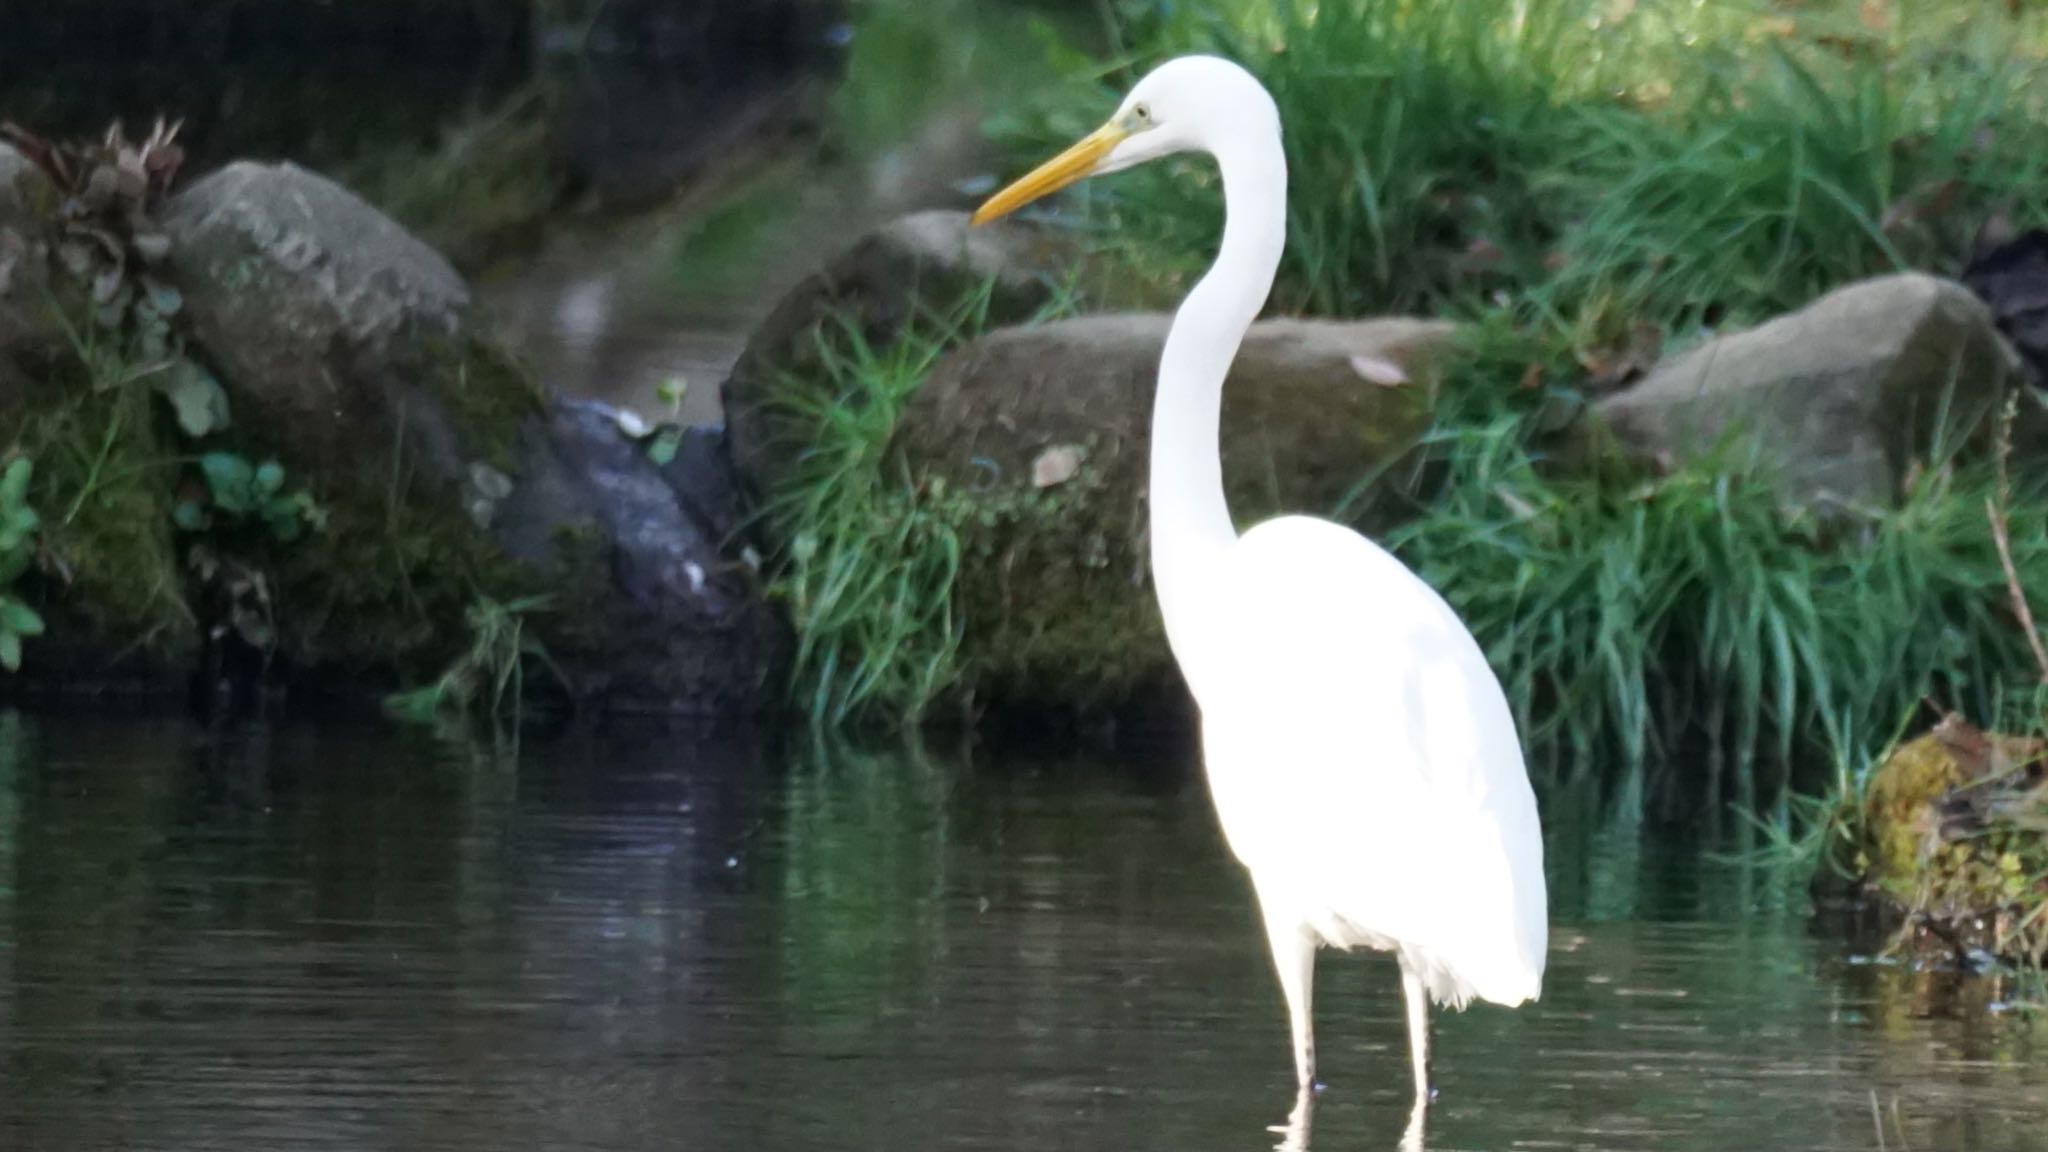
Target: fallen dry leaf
[[1056, 465], [1379, 370]]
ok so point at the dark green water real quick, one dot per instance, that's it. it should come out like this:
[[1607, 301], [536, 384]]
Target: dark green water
[[341, 938]]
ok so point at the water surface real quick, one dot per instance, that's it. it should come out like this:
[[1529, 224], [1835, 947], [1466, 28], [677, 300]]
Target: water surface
[[338, 937]]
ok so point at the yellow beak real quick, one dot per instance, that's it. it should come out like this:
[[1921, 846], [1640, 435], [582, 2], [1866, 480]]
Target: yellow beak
[[1075, 163]]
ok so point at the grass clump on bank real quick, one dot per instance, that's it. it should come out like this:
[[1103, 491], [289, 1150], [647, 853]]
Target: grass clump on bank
[[1599, 163], [1635, 617], [1583, 172], [869, 562], [872, 554], [1573, 173]]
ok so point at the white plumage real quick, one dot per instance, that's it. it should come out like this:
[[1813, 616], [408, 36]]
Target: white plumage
[[1365, 765], [1362, 757]]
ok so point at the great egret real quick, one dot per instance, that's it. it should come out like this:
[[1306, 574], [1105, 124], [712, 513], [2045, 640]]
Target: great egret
[[1361, 755]]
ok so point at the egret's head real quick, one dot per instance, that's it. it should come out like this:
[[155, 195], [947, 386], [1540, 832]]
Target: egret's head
[[1188, 104]]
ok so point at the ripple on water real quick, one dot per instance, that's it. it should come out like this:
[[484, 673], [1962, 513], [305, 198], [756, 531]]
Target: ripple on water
[[344, 938]]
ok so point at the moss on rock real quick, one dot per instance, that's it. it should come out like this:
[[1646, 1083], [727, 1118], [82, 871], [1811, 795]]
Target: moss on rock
[[1042, 435], [490, 397], [1954, 834], [1057, 607], [113, 585]]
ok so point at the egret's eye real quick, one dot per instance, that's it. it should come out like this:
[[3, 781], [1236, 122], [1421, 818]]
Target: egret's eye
[[1141, 115]]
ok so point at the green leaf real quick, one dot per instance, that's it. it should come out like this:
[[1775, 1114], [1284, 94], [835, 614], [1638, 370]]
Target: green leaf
[[662, 448], [283, 525], [14, 483], [269, 478], [190, 516], [163, 299], [231, 479], [10, 651], [19, 618], [198, 399]]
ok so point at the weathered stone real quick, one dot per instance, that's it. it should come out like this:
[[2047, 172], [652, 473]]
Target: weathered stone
[[654, 615], [324, 318], [701, 476], [1055, 587], [347, 350], [929, 259], [1839, 397]]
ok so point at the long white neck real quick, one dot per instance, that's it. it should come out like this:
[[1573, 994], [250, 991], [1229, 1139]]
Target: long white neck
[[1191, 525]]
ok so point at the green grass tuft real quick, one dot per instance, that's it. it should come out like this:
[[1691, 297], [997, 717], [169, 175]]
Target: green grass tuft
[[1633, 617], [869, 566], [1654, 161]]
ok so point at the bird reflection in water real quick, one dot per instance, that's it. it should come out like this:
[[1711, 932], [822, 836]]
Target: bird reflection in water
[[1295, 1132]]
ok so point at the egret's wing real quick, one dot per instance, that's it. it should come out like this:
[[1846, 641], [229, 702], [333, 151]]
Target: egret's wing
[[1363, 754]]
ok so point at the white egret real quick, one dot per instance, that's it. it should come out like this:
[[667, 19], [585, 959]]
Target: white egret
[[1361, 755]]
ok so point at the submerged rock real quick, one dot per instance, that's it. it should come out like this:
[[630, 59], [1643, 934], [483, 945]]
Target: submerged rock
[[929, 261], [1041, 437], [1838, 398]]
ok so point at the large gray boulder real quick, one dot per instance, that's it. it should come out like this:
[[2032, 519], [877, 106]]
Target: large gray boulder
[[929, 261], [1042, 436], [321, 314], [1837, 398], [347, 350]]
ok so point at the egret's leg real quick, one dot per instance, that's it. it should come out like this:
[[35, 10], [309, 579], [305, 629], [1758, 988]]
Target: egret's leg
[[1294, 960], [1294, 1134], [1411, 1136], [1418, 1032]]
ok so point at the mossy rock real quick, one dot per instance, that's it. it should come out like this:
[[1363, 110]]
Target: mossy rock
[[322, 317], [1041, 438], [1954, 832], [449, 475], [921, 264]]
